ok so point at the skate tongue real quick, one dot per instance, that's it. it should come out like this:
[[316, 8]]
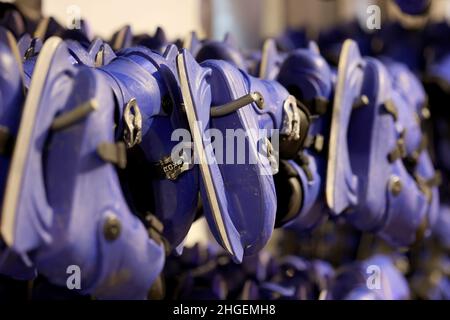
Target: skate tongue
[[197, 102], [341, 184]]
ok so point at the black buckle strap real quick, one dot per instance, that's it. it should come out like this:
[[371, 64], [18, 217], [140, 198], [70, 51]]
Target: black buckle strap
[[7, 141], [114, 153]]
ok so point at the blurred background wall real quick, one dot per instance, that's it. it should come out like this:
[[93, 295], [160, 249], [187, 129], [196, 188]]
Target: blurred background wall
[[248, 20], [106, 16]]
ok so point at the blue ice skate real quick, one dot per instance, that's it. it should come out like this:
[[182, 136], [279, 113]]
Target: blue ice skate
[[247, 104], [148, 95], [57, 213]]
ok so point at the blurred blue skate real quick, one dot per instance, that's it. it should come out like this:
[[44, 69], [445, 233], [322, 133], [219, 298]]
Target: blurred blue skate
[[376, 278], [300, 181], [384, 141]]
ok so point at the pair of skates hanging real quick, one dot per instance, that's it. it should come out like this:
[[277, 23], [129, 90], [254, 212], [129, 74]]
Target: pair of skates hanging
[[376, 170], [66, 201], [74, 211]]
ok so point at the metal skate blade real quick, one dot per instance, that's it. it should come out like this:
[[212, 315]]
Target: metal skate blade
[[16, 172], [337, 197], [200, 149], [268, 51]]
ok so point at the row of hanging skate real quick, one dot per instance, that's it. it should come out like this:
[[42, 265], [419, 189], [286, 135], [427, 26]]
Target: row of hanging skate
[[87, 176]]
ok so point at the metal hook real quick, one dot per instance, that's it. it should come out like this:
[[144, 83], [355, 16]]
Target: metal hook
[[225, 109], [99, 57], [133, 124], [74, 115], [291, 122]]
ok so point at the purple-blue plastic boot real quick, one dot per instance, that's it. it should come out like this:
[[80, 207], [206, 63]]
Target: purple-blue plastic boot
[[146, 86], [28, 49], [297, 188], [12, 99], [307, 76], [417, 158], [220, 97], [66, 132], [366, 142]]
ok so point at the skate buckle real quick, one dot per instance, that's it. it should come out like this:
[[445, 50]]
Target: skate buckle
[[133, 124], [100, 57], [291, 122], [31, 51], [272, 156]]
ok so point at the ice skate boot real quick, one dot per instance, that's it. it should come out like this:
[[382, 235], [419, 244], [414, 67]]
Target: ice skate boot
[[63, 193], [246, 104]]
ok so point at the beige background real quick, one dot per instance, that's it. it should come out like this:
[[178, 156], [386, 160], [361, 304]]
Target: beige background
[[107, 16]]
